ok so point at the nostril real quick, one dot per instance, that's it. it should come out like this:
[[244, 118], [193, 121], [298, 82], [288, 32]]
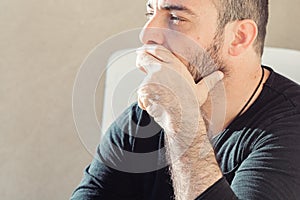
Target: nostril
[[152, 36], [151, 42]]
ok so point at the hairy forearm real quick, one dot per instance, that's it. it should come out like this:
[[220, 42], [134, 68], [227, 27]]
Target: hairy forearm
[[196, 169]]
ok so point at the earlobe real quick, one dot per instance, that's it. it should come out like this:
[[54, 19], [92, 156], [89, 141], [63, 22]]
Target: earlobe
[[245, 33]]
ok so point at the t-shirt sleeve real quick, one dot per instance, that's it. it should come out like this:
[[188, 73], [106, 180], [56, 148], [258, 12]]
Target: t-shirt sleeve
[[102, 182], [272, 169], [221, 190], [103, 179], [122, 159]]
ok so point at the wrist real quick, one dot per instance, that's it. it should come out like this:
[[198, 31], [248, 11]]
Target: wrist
[[195, 170]]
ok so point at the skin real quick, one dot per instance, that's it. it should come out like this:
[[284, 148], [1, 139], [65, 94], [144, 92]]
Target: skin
[[177, 101]]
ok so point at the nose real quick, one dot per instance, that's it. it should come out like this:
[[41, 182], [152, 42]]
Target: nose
[[153, 32]]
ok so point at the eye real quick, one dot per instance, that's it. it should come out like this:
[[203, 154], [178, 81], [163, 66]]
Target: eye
[[175, 19], [149, 15]]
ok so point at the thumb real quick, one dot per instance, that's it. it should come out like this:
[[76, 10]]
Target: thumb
[[207, 84]]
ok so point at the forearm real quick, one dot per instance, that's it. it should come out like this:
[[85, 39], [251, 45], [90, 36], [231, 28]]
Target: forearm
[[196, 169]]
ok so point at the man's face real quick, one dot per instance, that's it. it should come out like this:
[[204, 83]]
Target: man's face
[[188, 29]]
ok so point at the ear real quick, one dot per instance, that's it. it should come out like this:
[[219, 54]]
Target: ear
[[245, 33]]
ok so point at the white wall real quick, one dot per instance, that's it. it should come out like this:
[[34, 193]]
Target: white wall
[[284, 29], [42, 44]]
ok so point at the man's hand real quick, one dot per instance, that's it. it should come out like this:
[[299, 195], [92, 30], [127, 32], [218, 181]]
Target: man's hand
[[170, 95]]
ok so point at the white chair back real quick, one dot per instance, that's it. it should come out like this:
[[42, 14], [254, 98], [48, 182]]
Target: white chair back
[[283, 61]]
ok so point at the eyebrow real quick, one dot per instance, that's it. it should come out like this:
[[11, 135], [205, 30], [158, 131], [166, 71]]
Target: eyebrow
[[170, 7]]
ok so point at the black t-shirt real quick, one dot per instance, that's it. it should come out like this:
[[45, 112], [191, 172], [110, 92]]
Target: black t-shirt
[[258, 153]]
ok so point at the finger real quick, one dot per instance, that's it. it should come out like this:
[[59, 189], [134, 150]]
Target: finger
[[176, 61], [149, 105], [211, 80], [140, 104], [148, 63], [166, 55], [207, 84], [166, 59], [143, 102], [160, 52], [145, 94], [154, 110]]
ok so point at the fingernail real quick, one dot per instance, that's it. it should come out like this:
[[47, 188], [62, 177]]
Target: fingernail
[[221, 75], [139, 50]]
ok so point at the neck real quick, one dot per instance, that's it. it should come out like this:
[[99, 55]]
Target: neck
[[230, 97]]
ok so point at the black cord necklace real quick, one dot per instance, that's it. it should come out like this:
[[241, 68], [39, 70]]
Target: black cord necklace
[[249, 100]]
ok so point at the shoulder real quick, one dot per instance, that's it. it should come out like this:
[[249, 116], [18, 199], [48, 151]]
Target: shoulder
[[278, 101], [278, 113], [281, 87], [278, 116]]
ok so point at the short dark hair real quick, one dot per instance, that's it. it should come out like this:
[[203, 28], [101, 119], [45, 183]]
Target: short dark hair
[[256, 10]]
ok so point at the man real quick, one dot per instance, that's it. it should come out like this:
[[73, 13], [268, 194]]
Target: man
[[252, 154]]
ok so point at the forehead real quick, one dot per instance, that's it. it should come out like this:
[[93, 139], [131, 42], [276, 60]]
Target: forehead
[[196, 6]]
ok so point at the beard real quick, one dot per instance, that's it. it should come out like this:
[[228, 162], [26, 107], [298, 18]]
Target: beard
[[207, 61], [203, 63]]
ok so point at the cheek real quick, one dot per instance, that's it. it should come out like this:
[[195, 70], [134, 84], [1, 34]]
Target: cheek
[[205, 38], [204, 31]]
